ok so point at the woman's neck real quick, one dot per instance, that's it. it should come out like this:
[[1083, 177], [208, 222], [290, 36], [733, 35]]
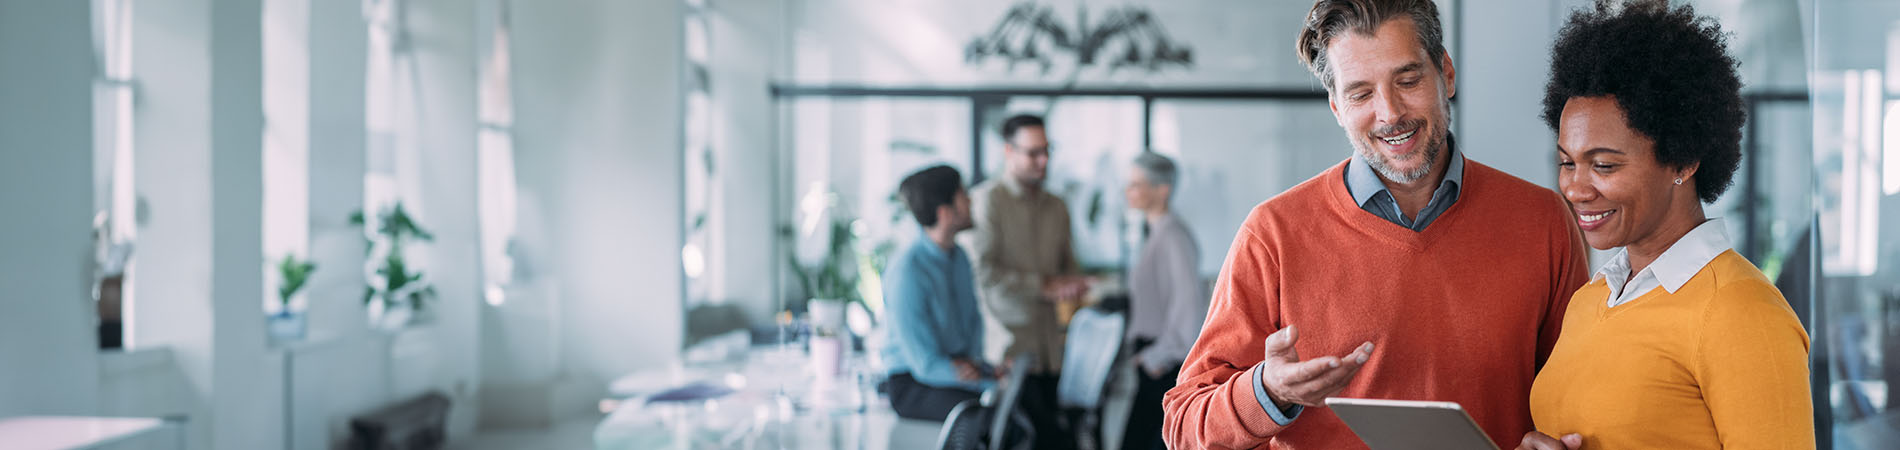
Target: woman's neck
[[1645, 250]]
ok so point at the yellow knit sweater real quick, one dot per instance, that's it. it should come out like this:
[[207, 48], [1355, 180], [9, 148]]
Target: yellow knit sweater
[[1722, 363]]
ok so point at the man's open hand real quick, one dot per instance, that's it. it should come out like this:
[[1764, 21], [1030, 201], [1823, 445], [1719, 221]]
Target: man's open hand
[[1307, 383]]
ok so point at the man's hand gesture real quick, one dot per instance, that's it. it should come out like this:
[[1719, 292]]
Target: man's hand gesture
[[1307, 383]]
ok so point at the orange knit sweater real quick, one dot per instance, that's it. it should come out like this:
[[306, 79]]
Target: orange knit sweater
[[1464, 311]]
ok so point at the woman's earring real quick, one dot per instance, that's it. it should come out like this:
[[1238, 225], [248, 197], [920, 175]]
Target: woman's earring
[[1678, 181]]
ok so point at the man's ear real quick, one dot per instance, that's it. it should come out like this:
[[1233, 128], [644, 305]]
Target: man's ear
[[1332, 104], [1451, 75]]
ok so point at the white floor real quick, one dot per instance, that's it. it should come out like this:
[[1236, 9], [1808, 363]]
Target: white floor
[[578, 433], [574, 434]]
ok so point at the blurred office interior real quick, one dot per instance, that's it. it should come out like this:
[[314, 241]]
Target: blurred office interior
[[303, 224]]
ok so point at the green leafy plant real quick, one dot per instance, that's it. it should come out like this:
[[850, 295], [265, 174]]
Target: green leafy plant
[[295, 274], [395, 230], [836, 275]]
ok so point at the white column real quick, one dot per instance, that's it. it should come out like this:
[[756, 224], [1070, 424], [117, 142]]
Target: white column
[[46, 319], [246, 407], [597, 143], [343, 376], [443, 33]]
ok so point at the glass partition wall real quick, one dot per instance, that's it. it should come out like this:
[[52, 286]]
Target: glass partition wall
[[852, 146], [1855, 77]]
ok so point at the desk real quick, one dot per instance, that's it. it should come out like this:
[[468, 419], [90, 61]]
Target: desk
[[777, 404], [67, 432]]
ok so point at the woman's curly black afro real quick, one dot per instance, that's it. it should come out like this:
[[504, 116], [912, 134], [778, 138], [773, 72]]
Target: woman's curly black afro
[[1670, 72]]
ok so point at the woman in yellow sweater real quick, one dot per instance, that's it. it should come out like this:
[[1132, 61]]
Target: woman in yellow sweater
[[1678, 342]]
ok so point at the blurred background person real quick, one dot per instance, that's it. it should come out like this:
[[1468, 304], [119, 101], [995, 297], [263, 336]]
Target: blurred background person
[[935, 351], [1167, 302], [1026, 264]]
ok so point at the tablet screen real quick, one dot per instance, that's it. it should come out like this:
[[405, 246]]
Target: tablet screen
[[1410, 425]]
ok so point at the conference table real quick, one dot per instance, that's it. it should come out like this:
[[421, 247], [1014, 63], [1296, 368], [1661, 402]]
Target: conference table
[[767, 397]]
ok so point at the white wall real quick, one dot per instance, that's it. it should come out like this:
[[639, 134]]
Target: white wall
[[346, 368], [613, 200], [1502, 67], [45, 141], [148, 383], [200, 163], [597, 149], [323, 394], [46, 318], [1235, 42], [171, 301]]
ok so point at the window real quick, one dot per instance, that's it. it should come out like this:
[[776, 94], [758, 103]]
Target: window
[[699, 250], [392, 163], [496, 164], [1855, 75], [115, 225], [286, 164]]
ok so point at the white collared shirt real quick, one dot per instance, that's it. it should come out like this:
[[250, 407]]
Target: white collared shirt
[[1671, 270]]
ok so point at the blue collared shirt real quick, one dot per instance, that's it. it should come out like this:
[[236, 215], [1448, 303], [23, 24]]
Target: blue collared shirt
[[1369, 191], [931, 315]]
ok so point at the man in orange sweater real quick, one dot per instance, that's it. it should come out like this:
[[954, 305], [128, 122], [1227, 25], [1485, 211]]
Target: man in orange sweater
[[1406, 272]]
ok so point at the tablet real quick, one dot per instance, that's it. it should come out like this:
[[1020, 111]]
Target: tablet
[[1410, 425]]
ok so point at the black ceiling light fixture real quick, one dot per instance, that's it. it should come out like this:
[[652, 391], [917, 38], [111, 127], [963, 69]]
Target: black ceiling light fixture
[[1128, 37]]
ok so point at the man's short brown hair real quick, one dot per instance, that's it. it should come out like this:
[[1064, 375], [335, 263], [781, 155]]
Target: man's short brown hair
[[1330, 18]]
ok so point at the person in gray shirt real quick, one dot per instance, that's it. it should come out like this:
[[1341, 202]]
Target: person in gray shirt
[[1167, 301]]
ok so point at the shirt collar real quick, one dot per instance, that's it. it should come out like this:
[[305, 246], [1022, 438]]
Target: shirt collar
[[1680, 262], [928, 248], [1010, 185], [1363, 183], [1166, 220]]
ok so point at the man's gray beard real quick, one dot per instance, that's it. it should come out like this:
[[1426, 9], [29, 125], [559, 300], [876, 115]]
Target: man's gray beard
[[1379, 163]]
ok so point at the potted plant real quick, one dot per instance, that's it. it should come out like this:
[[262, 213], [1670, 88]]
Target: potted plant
[[395, 295], [827, 263], [831, 281], [288, 324]]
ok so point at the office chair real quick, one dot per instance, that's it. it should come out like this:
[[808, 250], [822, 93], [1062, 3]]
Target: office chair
[[993, 422], [1088, 362]]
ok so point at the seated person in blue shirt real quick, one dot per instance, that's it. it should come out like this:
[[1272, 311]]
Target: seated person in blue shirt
[[934, 330]]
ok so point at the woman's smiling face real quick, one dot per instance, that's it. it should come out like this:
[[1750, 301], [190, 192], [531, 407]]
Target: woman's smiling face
[[1609, 172]]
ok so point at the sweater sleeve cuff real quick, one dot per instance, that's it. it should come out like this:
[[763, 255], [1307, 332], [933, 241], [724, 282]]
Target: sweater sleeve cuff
[[1280, 416]]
